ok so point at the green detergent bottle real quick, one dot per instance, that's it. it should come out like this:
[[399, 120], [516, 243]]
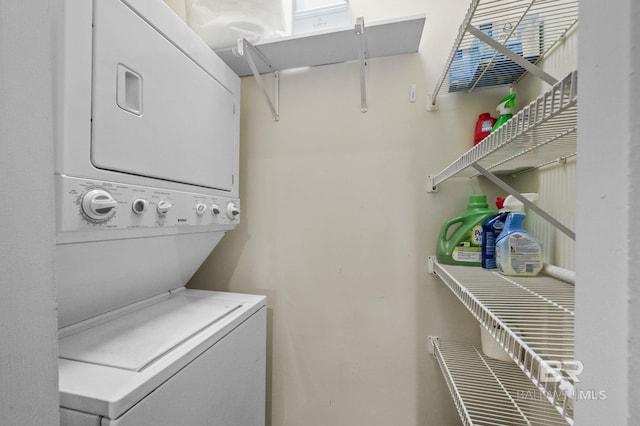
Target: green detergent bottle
[[462, 247]]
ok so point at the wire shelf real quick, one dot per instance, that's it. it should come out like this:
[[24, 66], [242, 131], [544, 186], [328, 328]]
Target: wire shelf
[[491, 392], [543, 132], [528, 28], [531, 318]]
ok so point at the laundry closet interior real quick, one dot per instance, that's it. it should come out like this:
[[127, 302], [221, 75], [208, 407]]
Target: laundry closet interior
[[340, 220], [252, 201]]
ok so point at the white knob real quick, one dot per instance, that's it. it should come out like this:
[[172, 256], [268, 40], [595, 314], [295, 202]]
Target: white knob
[[200, 209], [232, 210], [139, 205], [163, 207], [99, 205], [215, 210]]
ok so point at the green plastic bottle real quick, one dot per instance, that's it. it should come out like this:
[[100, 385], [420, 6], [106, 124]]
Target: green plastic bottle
[[505, 107], [462, 247]]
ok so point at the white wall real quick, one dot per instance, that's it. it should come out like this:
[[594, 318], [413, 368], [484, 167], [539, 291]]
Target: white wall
[[607, 200], [633, 390], [337, 226], [28, 350]]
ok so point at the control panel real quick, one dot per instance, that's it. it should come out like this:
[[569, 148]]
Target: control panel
[[85, 205]]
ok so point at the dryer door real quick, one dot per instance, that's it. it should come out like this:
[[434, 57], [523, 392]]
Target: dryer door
[[156, 111]]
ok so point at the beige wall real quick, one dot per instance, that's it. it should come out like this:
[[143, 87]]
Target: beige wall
[[337, 226]]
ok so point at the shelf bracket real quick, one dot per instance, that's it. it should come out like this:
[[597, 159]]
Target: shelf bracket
[[432, 102], [533, 69], [431, 187], [363, 57], [512, 191], [431, 269], [433, 341], [245, 49]]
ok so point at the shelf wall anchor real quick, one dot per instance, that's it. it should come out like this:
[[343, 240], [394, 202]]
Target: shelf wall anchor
[[247, 50], [363, 57], [432, 342], [431, 187], [431, 260], [432, 102]]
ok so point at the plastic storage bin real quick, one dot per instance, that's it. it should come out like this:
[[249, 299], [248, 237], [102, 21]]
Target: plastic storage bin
[[479, 65]]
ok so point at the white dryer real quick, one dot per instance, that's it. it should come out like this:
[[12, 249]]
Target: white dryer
[[146, 174]]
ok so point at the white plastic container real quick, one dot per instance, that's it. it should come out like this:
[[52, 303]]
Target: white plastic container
[[490, 346]]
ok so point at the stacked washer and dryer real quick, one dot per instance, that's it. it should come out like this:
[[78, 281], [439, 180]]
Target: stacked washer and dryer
[[146, 175]]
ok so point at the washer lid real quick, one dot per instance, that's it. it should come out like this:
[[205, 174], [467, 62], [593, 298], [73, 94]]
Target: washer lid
[[135, 340]]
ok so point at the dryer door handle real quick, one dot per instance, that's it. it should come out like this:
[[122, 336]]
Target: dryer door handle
[[129, 90]]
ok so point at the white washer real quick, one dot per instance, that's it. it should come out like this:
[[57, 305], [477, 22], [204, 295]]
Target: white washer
[[147, 135], [192, 358]]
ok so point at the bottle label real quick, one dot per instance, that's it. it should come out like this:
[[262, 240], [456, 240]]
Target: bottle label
[[489, 254], [486, 126], [476, 235], [525, 254], [467, 254], [469, 250]]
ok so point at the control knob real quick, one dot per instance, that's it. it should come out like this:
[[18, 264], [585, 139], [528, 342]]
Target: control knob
[[232, 210], [200, 209], [163, 207], [215, 210], [98, 205]]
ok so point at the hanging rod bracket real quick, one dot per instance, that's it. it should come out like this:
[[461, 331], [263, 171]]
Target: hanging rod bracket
[[512, 191], [248, 50], [363, 57]]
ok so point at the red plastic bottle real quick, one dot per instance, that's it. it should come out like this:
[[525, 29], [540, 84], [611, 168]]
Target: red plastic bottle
[[483, 126]]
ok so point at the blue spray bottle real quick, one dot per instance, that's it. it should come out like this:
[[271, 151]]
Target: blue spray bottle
[[518, 253]]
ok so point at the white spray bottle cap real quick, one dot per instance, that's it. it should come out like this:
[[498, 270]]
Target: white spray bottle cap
[[512, 204]]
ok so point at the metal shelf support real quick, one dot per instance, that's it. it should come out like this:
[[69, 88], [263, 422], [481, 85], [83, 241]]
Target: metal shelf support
[[363, 57], [533, 69], [250, 52], [245, 49], [512, 191]]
